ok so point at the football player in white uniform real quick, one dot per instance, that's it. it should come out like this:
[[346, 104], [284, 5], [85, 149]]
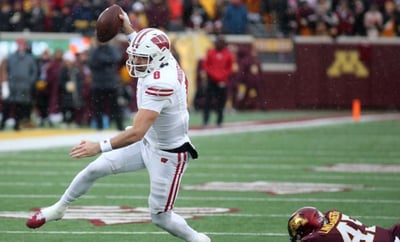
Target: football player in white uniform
[[158, 139]]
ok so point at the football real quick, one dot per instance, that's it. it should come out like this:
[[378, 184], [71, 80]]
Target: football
[[108, 23]]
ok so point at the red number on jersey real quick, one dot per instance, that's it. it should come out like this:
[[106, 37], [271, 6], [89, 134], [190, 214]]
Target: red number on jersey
[[156, 75]]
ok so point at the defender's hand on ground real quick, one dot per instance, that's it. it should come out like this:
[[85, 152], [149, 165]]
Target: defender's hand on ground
[[85, 149]]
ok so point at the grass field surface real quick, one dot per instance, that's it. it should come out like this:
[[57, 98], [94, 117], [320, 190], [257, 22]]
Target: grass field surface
[[243, 188]]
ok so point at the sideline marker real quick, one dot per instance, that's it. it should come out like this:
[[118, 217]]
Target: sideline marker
[[356, 110]]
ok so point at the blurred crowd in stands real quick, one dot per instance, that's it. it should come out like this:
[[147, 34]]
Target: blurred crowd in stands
[[72, 93], [88, 88], [257, 17]]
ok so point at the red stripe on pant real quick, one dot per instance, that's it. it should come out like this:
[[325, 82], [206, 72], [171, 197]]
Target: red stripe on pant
[[182, 157]]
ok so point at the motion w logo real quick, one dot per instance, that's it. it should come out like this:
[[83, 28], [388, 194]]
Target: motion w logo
[[161, 41]]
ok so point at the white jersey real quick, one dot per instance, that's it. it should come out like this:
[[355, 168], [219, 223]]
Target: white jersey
[[164, 91]]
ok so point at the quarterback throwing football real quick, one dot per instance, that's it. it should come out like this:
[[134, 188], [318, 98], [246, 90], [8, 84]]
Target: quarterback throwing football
[[158, 139], [308, 224]]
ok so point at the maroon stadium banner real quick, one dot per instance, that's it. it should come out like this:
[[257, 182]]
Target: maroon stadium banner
[[332, 73]]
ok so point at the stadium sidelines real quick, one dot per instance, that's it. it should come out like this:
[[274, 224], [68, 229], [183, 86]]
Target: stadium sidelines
[[42, 139]]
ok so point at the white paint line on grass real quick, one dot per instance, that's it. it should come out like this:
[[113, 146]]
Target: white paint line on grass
[[245, 127], [214, 176], [219, 198], [266, 234], [141, 185]]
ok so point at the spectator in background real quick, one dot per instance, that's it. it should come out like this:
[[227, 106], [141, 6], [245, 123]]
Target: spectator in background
[[345, 18], [235, 18], [254, 10], [62, 19], [5, 15], [359, 12], [304, 11], [323, 22], [52, 76], [176, 10], [218, 66], [252, 93], [84, 114], [176, 15], [17, 19], [83, 16], [201, 85], [175, 52], [194, 15], [235, 79], [397, 17], [70, 84], [389, 20], [211, 7], [373, 21], [42, 90], [138, 16], [98, 6], [104, 62], [158, 14], [21, 71], [35, 17], [286, 15]]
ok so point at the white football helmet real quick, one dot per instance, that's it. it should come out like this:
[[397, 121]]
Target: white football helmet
[[149, 44]]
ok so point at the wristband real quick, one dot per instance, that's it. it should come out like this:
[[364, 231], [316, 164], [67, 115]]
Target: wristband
[[105, 145]]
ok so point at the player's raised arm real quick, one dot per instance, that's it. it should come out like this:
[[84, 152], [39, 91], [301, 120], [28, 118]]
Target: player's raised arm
[[126, 24]]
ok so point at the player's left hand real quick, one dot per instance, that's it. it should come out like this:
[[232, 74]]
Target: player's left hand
[[85, 149]]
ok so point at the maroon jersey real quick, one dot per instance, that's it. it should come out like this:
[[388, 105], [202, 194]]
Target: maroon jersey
[[342, 228]]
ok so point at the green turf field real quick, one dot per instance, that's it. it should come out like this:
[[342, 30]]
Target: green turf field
[[286, 157]]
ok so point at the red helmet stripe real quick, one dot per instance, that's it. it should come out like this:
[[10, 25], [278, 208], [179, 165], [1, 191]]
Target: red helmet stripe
[[139, 37]]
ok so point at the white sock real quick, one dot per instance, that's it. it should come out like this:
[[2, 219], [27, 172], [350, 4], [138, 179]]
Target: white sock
[[175, 225], [54, 212]]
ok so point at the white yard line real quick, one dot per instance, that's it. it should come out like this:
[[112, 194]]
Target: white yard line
[[73, 139], [135, 233], [219, 198]]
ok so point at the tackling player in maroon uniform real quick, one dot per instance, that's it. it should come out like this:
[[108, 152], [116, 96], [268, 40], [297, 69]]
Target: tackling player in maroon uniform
[[308, 224]]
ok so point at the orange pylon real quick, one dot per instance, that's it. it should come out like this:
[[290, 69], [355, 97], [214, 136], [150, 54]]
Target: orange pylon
[[356, 109]]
